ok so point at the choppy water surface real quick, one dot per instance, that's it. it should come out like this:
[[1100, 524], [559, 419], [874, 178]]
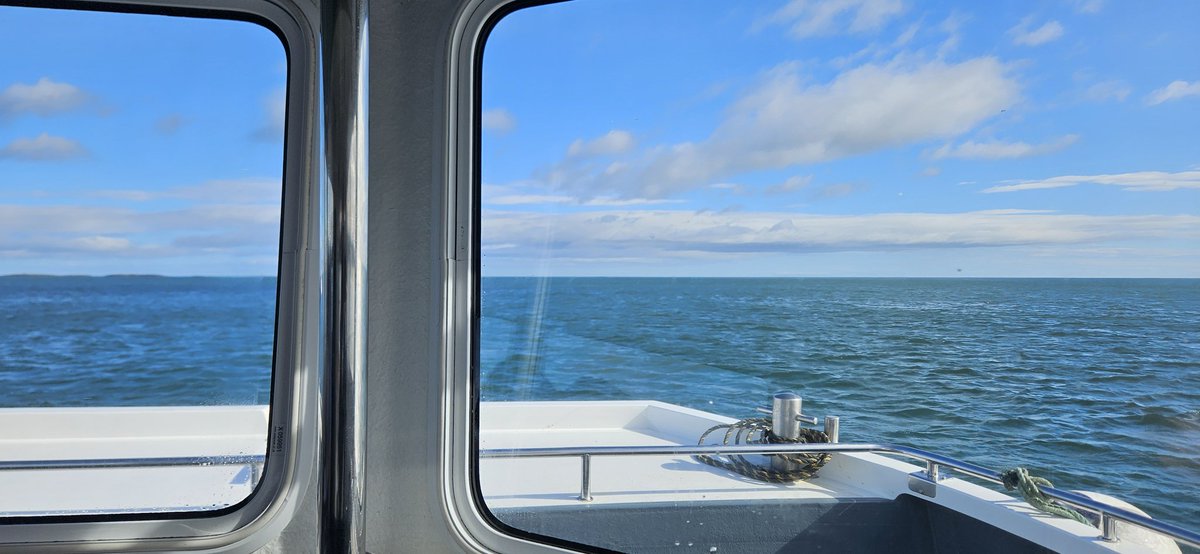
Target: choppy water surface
[[1094, 384], [135, 341]]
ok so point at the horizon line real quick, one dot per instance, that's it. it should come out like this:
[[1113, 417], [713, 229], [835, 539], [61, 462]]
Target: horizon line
[[946, 277], [154, 275], [828, 277]]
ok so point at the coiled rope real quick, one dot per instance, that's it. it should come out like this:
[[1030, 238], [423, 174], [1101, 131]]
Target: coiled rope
[[1020, 479], [758, 431]]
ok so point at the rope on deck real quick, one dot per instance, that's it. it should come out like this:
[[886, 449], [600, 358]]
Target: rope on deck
[[1028, 485], [758, 431]]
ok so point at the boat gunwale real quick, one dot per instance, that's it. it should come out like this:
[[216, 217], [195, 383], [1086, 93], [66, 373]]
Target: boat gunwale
[[1108, 513]]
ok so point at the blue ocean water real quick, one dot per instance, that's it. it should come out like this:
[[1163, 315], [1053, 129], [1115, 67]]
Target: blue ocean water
[[135, 340], [1094, 384]]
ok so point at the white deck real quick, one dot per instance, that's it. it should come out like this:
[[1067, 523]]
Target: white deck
[[531, 483], [617, 479], [39, 434], [523, 484]]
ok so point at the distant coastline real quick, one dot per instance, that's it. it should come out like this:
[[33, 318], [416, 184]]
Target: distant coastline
[[846, 277], [129, 276], [151, 276]]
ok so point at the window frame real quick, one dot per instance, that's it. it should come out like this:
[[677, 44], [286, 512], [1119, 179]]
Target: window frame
[[467, 514], [291, 443]]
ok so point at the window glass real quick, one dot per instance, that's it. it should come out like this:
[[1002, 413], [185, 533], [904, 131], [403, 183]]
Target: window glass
[[968, 228], [141, 166]]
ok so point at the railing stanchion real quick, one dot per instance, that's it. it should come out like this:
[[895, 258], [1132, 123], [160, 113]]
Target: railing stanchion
[[785, 423], [931, 470], [1108, 527], [832, 423], [585, 487]]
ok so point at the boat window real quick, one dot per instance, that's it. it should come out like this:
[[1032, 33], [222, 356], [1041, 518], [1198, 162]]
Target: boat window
[[970, 229], [141, 164]]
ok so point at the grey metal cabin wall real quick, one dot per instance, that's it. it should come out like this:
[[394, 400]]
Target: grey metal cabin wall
[[408, 78], [407, 191]]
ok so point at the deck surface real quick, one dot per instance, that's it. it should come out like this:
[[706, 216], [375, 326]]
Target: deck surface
[[515, 483], [54, 434], [525, 486], [635, 484]]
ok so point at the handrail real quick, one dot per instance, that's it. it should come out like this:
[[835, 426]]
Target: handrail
[[109, 463], [1109, 514]]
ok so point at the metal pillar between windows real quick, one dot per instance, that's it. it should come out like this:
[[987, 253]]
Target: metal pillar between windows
[[343, 395]]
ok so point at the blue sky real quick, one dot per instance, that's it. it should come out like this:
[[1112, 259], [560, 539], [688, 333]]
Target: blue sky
[[843, 137], [139, 144], [664, 137]]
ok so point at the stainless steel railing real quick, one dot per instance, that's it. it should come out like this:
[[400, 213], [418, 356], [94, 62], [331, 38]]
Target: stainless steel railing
[[108, 463], [1108, 514], [255, 461]]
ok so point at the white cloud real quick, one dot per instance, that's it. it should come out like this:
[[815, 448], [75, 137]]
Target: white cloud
[[906, 37], [47, 231], [1151, 181], [734, 188], [991, 150], [931, 171], [1023, 35], [786, 121], [498, 120], [1089, 6], [876, 51], [1108, 90], [808, 18], [1173, 91], [69, 219], [45, 97], [519, 199], [665, 233], [837, 190], [99, 243], [518, 194], [246, 191], [612, 142], [44, 147], [952, 26], [526, 199], [228, 226], [1013, 211], [610, 201], [792, 184], [228, 214], [125, 195], [274, 107]]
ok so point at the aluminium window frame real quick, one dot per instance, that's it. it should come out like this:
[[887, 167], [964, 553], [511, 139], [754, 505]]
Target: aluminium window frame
[[291, 443], [467, 515]]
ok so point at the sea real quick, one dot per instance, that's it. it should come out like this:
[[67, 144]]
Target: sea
[[1091, 383], [135, 340]]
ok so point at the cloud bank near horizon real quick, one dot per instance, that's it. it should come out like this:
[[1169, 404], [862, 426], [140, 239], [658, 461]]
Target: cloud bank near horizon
[[235, 221]]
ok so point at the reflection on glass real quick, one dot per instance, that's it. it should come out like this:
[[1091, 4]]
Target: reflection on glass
[[971, 229], [140, 184]]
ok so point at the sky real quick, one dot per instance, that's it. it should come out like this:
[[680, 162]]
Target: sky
[[138, 144], [875, 138], [652, 137]]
